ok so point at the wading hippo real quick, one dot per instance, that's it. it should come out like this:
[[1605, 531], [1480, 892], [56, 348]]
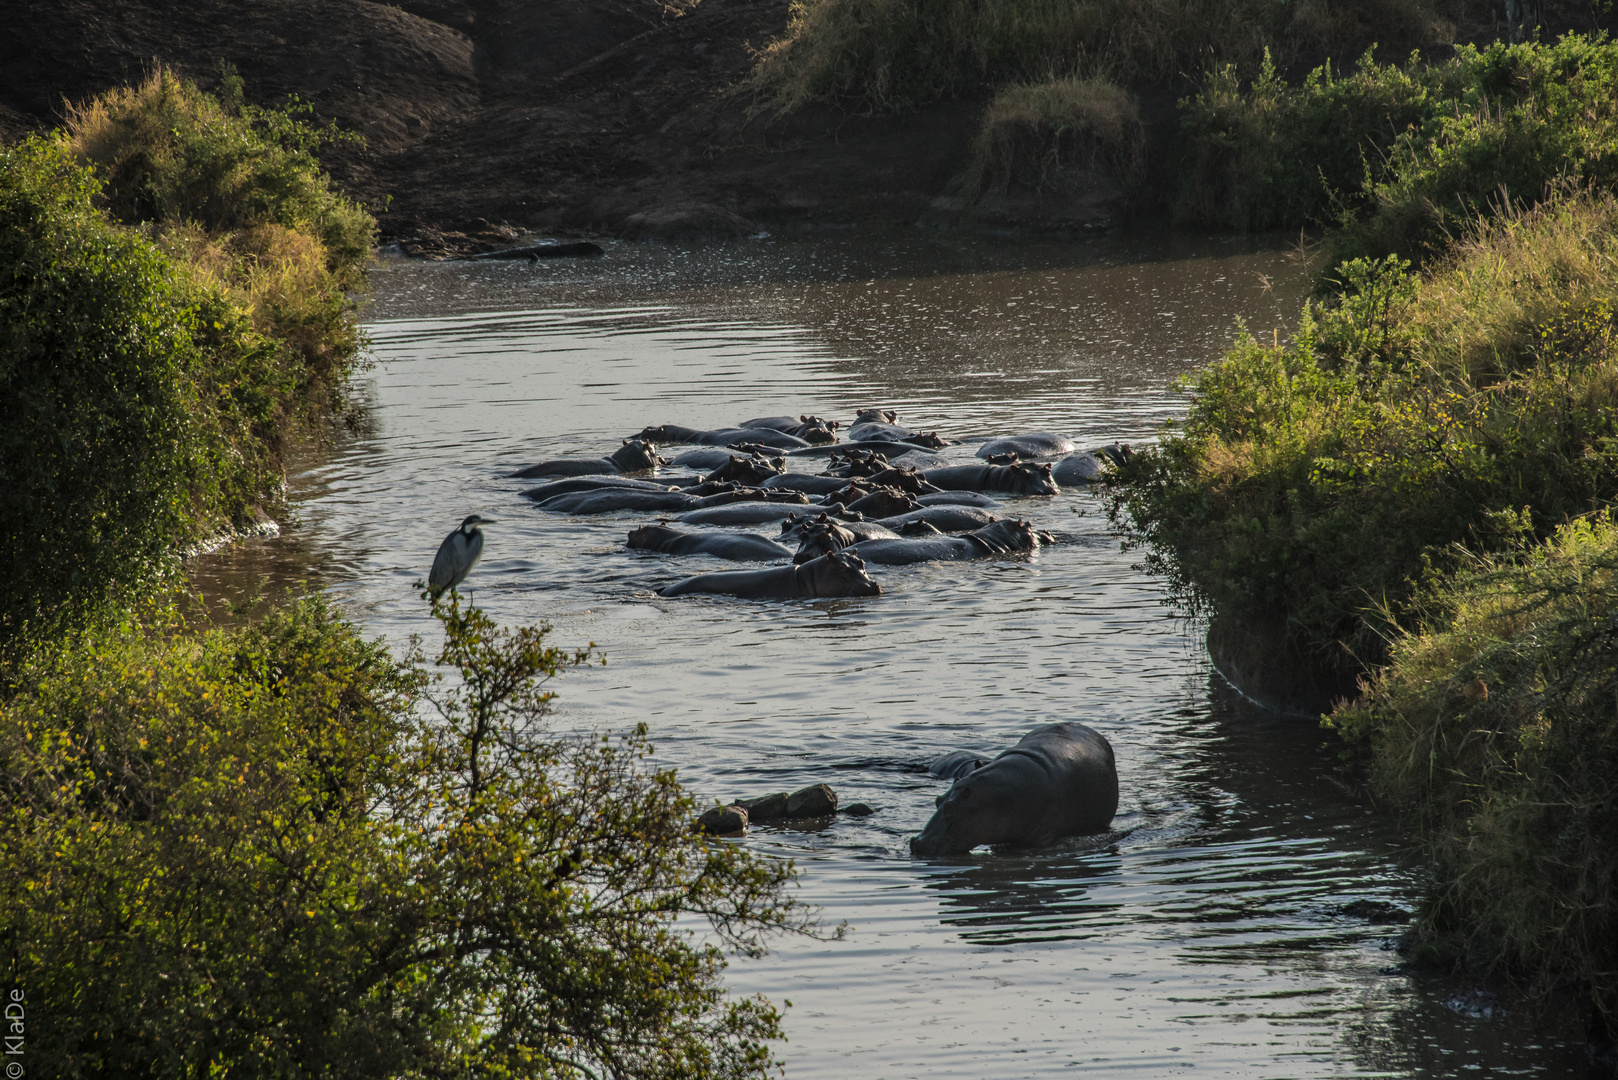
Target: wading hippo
[[794, 526], [1000, 538], [1019, 479], [839, 574], [674, 433], [950, 519], [748, 470], [591, 483], [814, 430], [636, 455], [1059, 780], [1035, 444], [740, 547]]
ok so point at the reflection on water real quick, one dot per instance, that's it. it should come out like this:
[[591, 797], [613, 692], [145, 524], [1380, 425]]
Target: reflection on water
[[1208, 932]]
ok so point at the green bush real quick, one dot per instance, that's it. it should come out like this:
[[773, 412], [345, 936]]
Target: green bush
[[1493, 725], [239, 195], [276, 851], [134, 392], [1320, 480], [1031, 132], [1400, 159], [886, 55]]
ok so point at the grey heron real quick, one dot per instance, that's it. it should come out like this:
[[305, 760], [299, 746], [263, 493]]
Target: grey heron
[[457, 555]]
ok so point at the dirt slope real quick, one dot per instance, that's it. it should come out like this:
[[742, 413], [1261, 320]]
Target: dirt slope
[[614, 116]]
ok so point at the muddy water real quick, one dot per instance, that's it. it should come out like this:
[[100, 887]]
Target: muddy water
[[1226, 928]]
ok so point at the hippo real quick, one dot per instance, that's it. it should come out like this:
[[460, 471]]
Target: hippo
[[956, 764], [804, 482], [999, 538], [837, 574], [1035, 444], [591, 483], [635, 455], [794, 526], [876, 416], [814, 430], [706, 457], [1059, 780], [881, 503], [757, 511], [957, 498], [674, 433], [856, 463], [735, 546], [822, 537], [1020, 479], [890, 433], [950, 519], [747, 470], [702, 496], [888, 449], [1088, 466]]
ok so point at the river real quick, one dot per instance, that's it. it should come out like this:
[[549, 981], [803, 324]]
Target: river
[[1233, 924]]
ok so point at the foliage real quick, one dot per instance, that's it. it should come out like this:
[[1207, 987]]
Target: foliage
[[1321, 479], [1030, 132], [1494, 725], [238, 193], [1399, 159], [891, 55], [139, 399], [251, 852]]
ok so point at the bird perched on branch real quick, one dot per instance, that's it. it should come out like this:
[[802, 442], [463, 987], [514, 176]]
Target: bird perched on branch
[[457, 555]]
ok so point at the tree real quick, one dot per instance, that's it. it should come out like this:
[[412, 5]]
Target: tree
[[279, 851]]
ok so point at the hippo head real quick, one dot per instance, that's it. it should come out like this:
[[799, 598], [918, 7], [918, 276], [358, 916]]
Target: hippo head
[[903, 477], [648, 537], [960, 823], [748, 470], [1010, 457], [822, 537], [1004, 537], [921, 527], [842, 573], [815, 431], [859, 463], [1117, 453], [884, 502], [930, 440], [636, 455], [1030, 479], [650, 435], [877, 416]]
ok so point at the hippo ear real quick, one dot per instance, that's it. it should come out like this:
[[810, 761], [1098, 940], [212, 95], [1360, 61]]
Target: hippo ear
[[1046, 469]]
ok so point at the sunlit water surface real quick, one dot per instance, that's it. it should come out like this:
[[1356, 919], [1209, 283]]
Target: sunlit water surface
[[1206, 935]]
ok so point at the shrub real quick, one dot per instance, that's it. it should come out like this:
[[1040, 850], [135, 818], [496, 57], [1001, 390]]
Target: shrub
[[252, 852], [1494, 726], [1321, 479], [139, 399], [1031, 132], [1401, 159], [241, 195], [888, 55]]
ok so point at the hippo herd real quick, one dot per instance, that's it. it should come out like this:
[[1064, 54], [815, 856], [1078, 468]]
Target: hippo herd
[[832, 507]]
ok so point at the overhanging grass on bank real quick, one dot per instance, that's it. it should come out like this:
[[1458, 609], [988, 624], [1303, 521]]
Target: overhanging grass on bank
[[1495, 726], [1399, 158], [1319, 481]]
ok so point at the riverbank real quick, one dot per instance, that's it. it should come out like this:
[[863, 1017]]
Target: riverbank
[[484, 118]]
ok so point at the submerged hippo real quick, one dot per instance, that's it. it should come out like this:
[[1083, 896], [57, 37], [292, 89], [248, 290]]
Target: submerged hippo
[[1059, 780], [1088, 466], [748, 470], [698, 497], [999, 538], [881, 503], [957, 498], [757, 508], [815, 430], [675, 433], [635, 455], [591, 483], [1035, 444], [838, 574], [804, 482], [735, 546], [956, 764], [950, 519], [794, 526], [1020, 479]]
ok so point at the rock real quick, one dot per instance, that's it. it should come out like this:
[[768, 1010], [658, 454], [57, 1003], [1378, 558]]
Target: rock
[[858, 809], [724, 821], [816, 800], [768, 808]]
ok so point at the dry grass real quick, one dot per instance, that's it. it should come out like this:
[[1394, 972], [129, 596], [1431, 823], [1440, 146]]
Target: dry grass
[[1032, 132]]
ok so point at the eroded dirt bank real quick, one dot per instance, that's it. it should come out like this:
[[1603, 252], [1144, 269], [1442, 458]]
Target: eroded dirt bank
[[560, 115]]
